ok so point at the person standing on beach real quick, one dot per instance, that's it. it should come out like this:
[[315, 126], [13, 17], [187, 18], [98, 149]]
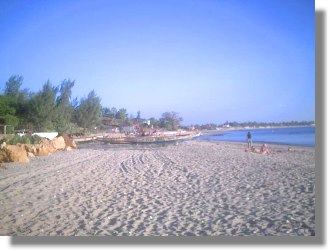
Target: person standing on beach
[[249, 139]]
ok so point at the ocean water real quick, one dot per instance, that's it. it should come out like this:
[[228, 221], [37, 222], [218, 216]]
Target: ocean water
[[301, 136]]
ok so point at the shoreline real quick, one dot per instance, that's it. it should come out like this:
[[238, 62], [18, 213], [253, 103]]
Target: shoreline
[[254, 128], [164, 144], [191, 188], [260, 143], [222, 132]]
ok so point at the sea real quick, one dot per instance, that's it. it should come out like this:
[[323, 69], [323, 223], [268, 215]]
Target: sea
[[297, 136]]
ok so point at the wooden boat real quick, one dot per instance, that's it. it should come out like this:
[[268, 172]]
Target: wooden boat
[[147, 139], [85, 139]]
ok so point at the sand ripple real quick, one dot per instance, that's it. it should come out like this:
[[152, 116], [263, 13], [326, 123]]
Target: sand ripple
[[194, 188]]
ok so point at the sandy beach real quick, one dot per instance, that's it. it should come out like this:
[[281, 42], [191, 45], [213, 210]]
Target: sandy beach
[[190, 189]]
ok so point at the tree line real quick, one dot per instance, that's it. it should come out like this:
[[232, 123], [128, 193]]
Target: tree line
[[53, 109], [253, 124], [271, 124]]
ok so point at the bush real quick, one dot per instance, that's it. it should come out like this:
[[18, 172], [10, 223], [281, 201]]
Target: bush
[[35, 139], [13, 140], [25, 139]]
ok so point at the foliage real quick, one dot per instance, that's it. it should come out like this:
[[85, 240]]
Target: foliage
[[64, 108], [154, 122], [106, 112], [25, 139], [271, 124], [9, 119], [19, 98], [42, 107], [13, 86], [122, 114], [8, 111], [138, 116], [87, 114], [170, 121], [52, 108]]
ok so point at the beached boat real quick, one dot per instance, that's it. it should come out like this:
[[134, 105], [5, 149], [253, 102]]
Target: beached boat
[[85, 139], [148, 139]]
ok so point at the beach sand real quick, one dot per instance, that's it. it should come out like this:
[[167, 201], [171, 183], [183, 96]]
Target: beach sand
[[192, 188]]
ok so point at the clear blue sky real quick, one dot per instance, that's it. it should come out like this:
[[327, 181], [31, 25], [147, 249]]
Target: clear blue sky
[[208, 60]]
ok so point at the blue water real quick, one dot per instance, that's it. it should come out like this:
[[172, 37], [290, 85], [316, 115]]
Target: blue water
[[301, 136]]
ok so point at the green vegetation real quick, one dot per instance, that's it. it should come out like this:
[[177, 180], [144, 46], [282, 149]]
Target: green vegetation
[[254, 124], [50, 109], [25, 139], [87, 113], [53, 109], [42, 108], [64, 107], [8, 111], [270, 124], [170, 120]]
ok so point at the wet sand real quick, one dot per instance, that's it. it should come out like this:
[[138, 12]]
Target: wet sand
[[190, 189]]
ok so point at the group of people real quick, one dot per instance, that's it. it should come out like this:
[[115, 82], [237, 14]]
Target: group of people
[[263, 150]]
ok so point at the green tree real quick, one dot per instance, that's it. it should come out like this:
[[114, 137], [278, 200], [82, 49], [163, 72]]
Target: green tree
[[8, 111], [170, 121], [106, 112], [107, 117], [122, 114], [110, 113], [87, 114], [64, 107], [13, 89], [42, 108], [13, 86], [154, 122], [19, 97], [138, 116], [113, 112]]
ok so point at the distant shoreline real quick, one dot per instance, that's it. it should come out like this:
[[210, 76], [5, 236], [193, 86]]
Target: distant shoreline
[[253, 128], [270, 144], [211, 135]]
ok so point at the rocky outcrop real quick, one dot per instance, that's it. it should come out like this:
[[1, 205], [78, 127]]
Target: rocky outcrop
[[30, 148], [45, 147], [68, 141], [58, 143], [14, 153], [3, 156], [22, 152]]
